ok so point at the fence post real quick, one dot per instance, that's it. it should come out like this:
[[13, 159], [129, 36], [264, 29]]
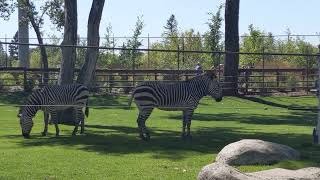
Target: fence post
[[308, 61], [316, 132], [6, 49], [247, 80], [183, 60], [148, 53], [178, 56], [263, 59], [278, 80], [24, 78]]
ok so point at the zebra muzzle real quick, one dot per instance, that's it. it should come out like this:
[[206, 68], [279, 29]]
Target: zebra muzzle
[[219, 99]]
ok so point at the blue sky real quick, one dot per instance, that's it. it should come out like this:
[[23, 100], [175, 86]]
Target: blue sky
[[275, 16]]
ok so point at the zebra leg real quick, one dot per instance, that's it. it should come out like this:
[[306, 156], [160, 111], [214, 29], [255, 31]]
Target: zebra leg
[[55, 120], [78, 118], [82, 123], [143, 116], [46, 121], [188, 116], [184, 124]]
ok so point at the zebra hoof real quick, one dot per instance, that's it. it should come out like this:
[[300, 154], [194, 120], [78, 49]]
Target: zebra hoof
[[145, 137], [186, 137]]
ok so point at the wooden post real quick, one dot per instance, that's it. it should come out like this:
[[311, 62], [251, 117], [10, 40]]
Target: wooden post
[[278, 79], [155, 76], [263, 83]]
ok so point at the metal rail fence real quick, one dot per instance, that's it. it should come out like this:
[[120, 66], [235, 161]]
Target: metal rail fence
[[250, 81]]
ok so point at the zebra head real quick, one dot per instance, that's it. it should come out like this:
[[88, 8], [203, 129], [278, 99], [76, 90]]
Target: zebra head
[[214, 87], [26, 122]]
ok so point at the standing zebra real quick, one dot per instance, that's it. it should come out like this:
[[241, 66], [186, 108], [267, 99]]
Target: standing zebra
[[180, 96], [51, 99]]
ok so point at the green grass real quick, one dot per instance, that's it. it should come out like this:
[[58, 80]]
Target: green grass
[[111, 149]]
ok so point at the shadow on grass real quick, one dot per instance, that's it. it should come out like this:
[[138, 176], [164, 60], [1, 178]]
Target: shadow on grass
[[120, 140], [105, 101], [279, 105], [294, 118], [109, 102]]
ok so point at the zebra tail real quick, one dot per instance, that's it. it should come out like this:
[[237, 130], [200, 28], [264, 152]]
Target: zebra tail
[[86, 112]]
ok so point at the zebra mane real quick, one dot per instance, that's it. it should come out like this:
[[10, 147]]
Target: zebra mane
[[204, 76]]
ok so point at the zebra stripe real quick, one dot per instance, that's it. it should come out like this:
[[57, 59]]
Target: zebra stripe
[[72, 94], [180, 96]]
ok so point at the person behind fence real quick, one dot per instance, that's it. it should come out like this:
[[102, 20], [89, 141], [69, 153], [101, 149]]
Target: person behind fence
[[198, 68]]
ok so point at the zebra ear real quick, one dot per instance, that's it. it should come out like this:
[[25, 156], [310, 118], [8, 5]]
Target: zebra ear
[[19, 115]]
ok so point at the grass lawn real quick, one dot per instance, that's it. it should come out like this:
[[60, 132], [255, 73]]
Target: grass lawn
[[111, 149]]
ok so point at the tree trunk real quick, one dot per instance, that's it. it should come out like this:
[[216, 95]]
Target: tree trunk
[[231, 45], [88, 68], [43, 52], [69, 38], [23, 36]]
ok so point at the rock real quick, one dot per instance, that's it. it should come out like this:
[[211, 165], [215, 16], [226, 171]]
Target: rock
[[310, 173], [220, 171], [253, 151]]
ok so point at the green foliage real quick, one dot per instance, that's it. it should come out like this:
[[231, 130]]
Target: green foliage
[[212, 38], [171, 28], [3, 55], [55, 10], [192, 41], [35, 61], [6, 8], [129, 59], [256, 41], [13, 49]]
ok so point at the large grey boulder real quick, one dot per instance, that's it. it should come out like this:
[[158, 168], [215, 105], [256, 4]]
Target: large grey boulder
[[254, 151], [220, 171], [310, 173]]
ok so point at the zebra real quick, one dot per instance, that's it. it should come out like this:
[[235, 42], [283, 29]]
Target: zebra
[[180, 96], [51, 99]]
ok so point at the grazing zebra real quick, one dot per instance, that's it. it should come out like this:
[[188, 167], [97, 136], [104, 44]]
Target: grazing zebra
[[180, 96], [51, 99]]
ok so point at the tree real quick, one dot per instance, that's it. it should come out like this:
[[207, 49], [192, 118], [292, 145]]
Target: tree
[[28, 12], [231, 45], [23, 34], [129, 58], [252, 42], [89, 66], [3, 55], [213, 36], [6, 8], [171, 28], [36, 22], [69, 39], [191, 42], [171, 41], [13, 49]]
